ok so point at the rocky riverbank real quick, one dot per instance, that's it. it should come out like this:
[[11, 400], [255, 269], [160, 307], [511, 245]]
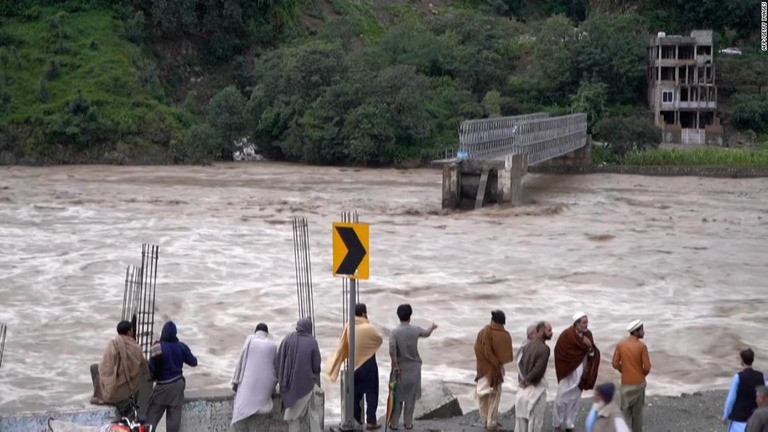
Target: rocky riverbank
[[698, 412]]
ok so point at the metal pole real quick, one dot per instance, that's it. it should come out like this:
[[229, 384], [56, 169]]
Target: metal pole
[[349, 401]]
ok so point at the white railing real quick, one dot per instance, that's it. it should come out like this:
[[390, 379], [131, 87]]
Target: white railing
[[693, 136]]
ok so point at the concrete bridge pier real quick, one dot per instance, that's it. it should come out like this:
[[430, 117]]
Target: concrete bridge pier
[[471, 184]]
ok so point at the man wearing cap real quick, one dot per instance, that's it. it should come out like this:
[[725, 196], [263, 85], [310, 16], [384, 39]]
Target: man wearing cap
[[493, 349], [577, 360], [605, 416], [631, 359]]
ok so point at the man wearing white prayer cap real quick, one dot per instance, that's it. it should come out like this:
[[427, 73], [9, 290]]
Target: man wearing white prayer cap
[[631, 359], [577, 360]]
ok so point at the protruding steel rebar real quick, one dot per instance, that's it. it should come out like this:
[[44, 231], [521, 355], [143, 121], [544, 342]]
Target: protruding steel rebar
[[139, 297], [3, 334], [303, 266]]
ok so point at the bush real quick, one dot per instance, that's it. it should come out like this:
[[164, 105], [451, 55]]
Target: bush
[[227, 120], [751, 113], [623, 135], [706, 156]]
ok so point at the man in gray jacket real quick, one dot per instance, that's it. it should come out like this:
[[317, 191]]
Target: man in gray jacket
[[531, 398], [758, 422]]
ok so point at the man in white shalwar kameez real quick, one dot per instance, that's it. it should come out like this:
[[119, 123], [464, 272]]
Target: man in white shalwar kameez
[[576, 365], [254, 381]]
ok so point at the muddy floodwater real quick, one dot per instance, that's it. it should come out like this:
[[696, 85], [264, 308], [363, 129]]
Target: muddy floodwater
[[686, 255]]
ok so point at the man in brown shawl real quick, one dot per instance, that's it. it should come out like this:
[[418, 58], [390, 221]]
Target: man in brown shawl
[[117, 378], [576, 363], [493, 349]]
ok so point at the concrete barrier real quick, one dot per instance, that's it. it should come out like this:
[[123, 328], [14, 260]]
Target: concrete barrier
[[207, 411], [440, 404]]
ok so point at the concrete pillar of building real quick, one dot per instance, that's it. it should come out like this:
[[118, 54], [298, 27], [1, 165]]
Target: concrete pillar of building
[[451, 185], [510, 190]]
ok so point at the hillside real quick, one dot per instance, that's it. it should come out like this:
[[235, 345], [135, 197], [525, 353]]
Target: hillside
[[331, 81]]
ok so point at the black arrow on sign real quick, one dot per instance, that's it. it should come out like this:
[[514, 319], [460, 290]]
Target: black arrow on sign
[[355, 251]]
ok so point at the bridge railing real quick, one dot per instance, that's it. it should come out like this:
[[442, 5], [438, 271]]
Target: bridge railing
[[548, 138], [492, 137]]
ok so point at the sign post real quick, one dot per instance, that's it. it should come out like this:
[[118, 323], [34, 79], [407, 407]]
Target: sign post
[[351, 261]]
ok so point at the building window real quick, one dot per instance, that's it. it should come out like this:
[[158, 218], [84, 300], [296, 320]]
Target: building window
[[667, 97]]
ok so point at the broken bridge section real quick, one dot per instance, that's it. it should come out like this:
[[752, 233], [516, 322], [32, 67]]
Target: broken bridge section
[[494, 155]]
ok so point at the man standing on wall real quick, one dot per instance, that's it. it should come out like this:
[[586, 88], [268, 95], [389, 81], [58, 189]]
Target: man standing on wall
[[531, 397], [367, 342], [254, 380], [577, 360], [493, 349], [632, 360]]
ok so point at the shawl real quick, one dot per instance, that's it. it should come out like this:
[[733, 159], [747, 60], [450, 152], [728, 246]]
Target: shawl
[[569, 354], [121, 369], [255, 376], [298, 363], [367, 342], [493, 348]]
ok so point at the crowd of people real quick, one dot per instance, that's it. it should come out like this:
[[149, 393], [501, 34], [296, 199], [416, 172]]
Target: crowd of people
[[293, 367]]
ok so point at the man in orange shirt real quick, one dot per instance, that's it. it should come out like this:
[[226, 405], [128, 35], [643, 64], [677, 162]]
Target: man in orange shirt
[[631, 359]]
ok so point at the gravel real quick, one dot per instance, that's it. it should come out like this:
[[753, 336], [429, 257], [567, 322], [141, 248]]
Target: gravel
[[697, 412]]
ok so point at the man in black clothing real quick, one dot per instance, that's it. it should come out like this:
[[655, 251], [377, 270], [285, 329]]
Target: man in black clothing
[[741, 401]]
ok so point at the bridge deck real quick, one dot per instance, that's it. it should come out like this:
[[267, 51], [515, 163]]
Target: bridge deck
[[537, 135]]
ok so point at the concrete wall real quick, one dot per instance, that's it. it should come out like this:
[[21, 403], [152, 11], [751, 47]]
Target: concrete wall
[[578, 158], [209, 411]]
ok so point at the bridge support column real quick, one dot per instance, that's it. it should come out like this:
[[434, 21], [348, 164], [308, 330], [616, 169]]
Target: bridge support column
[[452, 185], [511, 180]]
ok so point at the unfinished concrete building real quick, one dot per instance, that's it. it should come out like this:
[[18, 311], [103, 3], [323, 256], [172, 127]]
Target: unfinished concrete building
[[681, 88]]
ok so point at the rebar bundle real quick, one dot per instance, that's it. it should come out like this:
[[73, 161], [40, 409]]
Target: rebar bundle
[[3, 333], [301, 257], [347, 217], [139, 297]]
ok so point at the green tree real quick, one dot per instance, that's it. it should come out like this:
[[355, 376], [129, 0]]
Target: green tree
[[590, 99], [553, 57], [492, 104], [611, 49], [626, 134], [751, 112], [290, 82], [227, 119]]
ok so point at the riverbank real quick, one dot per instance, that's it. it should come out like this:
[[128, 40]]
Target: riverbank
[[697, 412]]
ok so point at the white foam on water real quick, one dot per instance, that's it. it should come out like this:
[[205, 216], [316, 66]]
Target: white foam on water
[[686, 255]]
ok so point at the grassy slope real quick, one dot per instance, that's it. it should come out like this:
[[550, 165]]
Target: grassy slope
[[94, 59]]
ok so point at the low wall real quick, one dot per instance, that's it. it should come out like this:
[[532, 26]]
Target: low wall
[[692, 171], [209, 411]]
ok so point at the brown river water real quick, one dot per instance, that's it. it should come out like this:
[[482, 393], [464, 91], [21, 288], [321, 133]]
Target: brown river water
[[687, 255]]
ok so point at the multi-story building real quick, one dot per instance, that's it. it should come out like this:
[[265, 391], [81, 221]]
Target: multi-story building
[[681, 87]]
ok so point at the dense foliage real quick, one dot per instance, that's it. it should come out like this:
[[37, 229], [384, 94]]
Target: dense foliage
[[336, 81]]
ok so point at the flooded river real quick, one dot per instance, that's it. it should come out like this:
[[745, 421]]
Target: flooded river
[[686, 255]]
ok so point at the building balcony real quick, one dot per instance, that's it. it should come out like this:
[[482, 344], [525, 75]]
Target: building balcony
[[689, 105]]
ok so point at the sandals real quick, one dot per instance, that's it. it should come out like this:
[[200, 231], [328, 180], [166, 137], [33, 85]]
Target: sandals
[[409, 427]]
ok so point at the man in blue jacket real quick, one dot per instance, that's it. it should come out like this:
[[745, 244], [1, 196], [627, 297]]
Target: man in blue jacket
[[168, 358]]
